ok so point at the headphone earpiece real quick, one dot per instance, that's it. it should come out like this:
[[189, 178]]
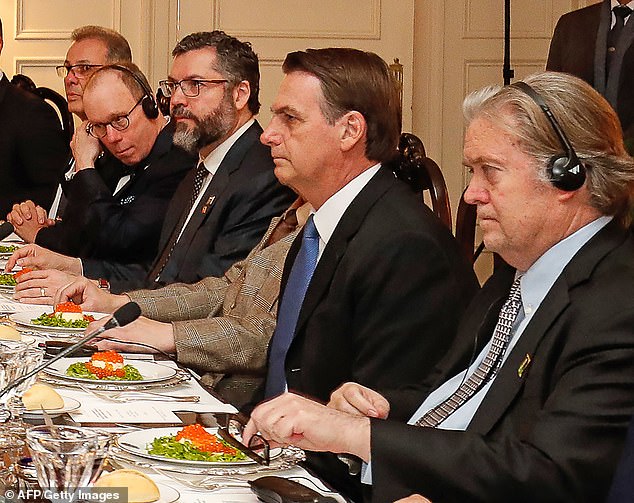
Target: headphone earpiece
[[565, 171], [148, 103]]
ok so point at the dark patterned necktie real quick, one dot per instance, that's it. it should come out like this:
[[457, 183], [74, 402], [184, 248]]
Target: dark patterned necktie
[[621, 12], [288, 314], [199, 179], [487, 368]]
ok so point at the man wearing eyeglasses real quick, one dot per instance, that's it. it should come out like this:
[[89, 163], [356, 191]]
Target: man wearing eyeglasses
[[32, 148], [92, 48]]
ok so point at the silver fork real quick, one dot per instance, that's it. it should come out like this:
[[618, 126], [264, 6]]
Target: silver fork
[[125, 397]]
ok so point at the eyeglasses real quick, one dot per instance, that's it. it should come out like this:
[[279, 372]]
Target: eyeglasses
[[80, 71], [99, 129], [258, 449], [189, 87]]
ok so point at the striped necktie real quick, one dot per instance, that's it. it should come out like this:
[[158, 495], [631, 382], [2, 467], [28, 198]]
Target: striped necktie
[[487, 368]]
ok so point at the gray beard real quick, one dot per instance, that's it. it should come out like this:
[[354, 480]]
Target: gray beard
[[205, 131]]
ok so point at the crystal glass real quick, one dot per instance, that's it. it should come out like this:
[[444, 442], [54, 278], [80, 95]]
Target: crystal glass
[[104, 442], [12, 355], [11, 449], [32, 358], [63, 457]]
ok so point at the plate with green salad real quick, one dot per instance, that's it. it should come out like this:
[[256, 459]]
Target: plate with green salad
[[7, 250], [180, 446], [134, 372], [44, 320]]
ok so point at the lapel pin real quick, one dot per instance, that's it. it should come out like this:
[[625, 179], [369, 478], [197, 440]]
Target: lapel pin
[[524, 365], [207, 205]]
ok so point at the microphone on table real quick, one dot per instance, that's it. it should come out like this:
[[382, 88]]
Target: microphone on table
[[121, 317], [6, 229]]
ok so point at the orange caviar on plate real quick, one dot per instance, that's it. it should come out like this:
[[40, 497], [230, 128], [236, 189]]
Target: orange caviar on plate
[[67, 307], [106, 364], [203, 440]]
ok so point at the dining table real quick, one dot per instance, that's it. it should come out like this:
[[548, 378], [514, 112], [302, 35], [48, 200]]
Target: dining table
[[168, 398]]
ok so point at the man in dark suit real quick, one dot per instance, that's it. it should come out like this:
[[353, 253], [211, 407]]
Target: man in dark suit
[[123, 224], [533, 399], [583, 44], [221, 210], [33, 152], [622, 489], [92, 47], [390, 280]]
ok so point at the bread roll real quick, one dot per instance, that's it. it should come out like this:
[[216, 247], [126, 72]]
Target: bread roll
[[141, 488], [8, 333], [42, 396]]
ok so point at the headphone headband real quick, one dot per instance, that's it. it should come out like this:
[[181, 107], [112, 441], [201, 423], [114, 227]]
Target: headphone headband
[[148, 103]]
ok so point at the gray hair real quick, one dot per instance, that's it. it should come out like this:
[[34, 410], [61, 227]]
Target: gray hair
[[118, 48], [588, 121]]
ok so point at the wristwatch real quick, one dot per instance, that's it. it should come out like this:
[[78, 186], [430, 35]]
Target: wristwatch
[[104, 284]]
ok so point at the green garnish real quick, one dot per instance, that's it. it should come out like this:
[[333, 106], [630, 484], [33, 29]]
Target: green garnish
[[8, 249], [80, 370], [169, 447], [52, 320], [7, 279]]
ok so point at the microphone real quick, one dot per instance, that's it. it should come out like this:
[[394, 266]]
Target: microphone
[[6, 229], [121, 317]]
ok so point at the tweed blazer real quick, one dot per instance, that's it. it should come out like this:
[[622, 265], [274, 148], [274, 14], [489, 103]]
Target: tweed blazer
[[223, 325]]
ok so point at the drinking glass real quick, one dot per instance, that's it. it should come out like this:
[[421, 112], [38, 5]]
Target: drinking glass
[[11, 361], [63, 457], [104, 441], [33, 357], [11, 448]]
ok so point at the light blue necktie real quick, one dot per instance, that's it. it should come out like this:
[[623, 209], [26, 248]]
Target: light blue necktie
[[288, 313]]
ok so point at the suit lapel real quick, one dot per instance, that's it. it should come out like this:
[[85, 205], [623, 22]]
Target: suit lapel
[[516, 369], [601, 43], [347, 227]]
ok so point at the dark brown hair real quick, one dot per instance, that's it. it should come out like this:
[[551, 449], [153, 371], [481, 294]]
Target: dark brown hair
[[355, 80], [118, 47]]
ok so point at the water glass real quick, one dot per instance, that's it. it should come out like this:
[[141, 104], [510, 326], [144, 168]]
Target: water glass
[[63, 457], [104, 442], [33, 357], [12, 355], [11, 449]]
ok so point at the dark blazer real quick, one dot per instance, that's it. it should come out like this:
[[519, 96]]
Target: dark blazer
[[232, 216], [550, 433], [33, 152], [383, 304], [578, 47]]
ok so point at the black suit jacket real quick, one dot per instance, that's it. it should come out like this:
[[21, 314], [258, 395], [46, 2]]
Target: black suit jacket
[[232, 216], [622, 490], [553, 432], [33, 152], [572, 50], [383, 304]]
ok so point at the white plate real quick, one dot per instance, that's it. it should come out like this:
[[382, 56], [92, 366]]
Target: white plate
[[24, 318], [28, 339], [151, 372], [136, 442], [168, 494], [70, 405]]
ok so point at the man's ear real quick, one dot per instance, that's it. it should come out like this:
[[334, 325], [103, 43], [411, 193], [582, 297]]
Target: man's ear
[[241, 94], [353, 129]]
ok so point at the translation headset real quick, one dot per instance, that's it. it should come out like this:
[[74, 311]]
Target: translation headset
[[565, 171], [148, 103]]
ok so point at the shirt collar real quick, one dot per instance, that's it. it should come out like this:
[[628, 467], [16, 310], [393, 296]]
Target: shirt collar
[[541, 276], [215, 157], [328, 215], [615, 3]]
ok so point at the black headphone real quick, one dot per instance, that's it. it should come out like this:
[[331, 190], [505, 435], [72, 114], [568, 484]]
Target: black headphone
[[565, 171], [148, 103]]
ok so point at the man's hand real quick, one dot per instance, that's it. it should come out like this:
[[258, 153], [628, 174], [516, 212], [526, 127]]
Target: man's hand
[[36, 257], [27, 219], [149, 332], [85, 148], [86, 293], [40, 286], [292, 419], [358, 400]]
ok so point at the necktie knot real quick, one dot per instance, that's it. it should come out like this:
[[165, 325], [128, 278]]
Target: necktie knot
[[622, 11], [310, 231]]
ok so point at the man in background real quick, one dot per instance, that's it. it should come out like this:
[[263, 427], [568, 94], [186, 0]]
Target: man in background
[[33, 152], [595, 44], [92, 48]]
